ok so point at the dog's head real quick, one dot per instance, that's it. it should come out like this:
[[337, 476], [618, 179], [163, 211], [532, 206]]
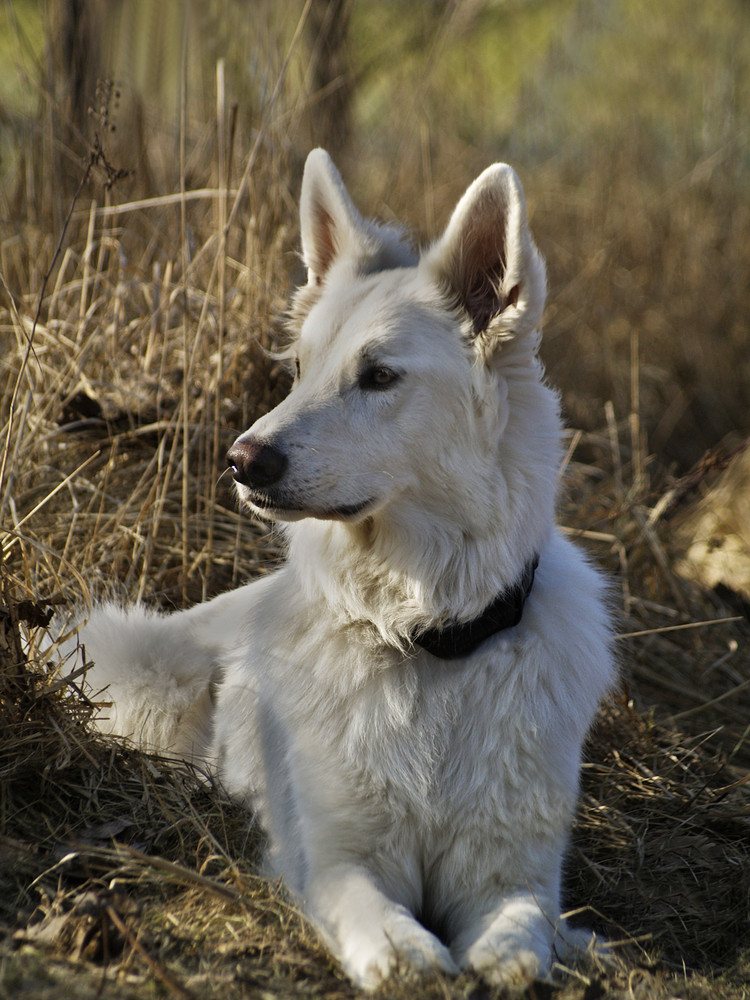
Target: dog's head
[[402, 362]]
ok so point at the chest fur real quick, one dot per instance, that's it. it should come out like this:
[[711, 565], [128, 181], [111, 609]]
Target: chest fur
[[420, 734]]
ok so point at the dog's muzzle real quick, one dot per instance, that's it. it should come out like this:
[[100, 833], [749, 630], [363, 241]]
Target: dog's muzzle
[[259, 468]]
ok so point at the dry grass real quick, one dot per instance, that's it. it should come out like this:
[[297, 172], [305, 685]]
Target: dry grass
[[134, 355]]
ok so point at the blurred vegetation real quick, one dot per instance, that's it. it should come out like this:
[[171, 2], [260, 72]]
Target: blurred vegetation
[[627, 121], [150, 160]]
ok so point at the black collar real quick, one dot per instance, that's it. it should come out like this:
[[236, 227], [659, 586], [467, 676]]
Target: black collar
[[453, 641]]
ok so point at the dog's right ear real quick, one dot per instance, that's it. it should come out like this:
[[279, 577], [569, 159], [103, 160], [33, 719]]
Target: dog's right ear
[[331, 226], [332, 230]]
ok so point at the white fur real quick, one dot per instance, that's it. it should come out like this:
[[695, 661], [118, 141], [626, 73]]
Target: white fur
[[419, 808]]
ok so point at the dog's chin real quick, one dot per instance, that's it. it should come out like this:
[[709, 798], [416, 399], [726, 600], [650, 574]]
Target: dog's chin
[[283, 509]]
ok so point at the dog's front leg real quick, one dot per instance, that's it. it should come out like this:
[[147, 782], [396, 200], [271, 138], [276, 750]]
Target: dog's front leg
[[369, 933], [512, 943]]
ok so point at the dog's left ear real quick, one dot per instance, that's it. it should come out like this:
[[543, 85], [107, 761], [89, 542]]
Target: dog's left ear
[[487, 260]]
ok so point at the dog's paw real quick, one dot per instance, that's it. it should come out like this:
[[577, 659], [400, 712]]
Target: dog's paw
[[510, 948], [506, 966], [403, 947]]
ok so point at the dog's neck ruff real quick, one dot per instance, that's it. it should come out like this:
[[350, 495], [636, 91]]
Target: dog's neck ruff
[[460, 639]]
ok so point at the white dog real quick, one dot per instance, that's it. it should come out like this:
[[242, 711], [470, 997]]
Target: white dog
[[405, 701]]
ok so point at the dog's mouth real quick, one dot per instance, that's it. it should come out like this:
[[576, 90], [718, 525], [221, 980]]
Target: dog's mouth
[[280, 508]]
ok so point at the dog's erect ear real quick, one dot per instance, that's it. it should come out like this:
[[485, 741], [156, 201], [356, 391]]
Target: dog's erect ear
[[330, 224], [333, 229], [487, 260]]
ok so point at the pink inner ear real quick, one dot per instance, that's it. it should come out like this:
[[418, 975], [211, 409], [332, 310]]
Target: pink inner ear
[[483, 265], [324, 249]]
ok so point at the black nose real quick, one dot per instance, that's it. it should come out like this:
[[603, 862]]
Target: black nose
[[256, 464]]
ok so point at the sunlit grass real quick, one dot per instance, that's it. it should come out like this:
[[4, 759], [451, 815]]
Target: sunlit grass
[[627, 122]]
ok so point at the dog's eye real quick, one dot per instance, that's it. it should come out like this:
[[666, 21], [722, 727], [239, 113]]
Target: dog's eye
[[297, 369], [377, 377]]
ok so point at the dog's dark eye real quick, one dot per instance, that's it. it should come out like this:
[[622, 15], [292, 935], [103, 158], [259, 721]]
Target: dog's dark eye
[[377, 377], [297, 369]]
